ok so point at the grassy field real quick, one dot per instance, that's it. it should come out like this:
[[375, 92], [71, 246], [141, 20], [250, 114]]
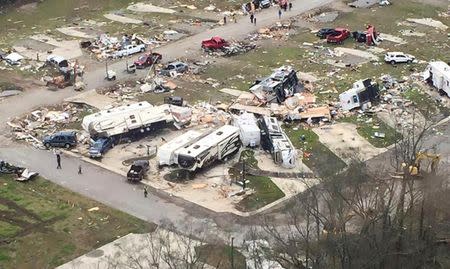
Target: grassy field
[[317, 156], [219, 256], [44, 225], [266, 191], [367, 126]]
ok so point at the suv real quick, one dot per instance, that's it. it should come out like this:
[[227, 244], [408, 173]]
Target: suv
[[147, 60], [398, 57], [265, 3], [177, 67], [64, 139], [100, 147]]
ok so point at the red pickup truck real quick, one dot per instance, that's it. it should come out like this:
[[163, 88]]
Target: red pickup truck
[[338, 36], [214, 43], [147, 60]]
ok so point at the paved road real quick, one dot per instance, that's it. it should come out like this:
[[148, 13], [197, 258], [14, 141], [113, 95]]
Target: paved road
[[110, 188]]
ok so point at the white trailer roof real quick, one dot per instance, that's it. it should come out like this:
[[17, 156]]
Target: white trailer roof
[[166, 151], [209, 141], [441, 66]]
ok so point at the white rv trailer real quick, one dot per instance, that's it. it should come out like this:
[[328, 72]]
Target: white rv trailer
[[275, 140], [438, 75], [167, 152], [361, 95], [217, 145], [248, 129], [134, 119]]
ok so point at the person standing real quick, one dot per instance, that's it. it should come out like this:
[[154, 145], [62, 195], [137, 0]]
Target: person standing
[[251, 18], [224, 20], [234, 18], [145, 192], [279, 13], [254, 20], [58, 161], [290, 6], [79, 169]]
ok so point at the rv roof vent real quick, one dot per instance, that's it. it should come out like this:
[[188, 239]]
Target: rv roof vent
[[196, 146], [219, 133]]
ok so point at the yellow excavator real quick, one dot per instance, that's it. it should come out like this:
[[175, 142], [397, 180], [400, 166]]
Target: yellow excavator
[[432, 165]]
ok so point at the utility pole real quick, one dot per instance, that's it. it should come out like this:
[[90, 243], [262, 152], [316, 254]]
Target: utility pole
[[243, 174], [232, 253]]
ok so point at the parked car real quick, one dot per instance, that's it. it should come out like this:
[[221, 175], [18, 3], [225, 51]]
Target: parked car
[[129, 50], [138, 170], [398, 57], [100, 147], [178, 67], [324, 32], [360, 37], [214, 43], [338, 36], [265, 3], [61, 139], [174, 100], [147, 60]]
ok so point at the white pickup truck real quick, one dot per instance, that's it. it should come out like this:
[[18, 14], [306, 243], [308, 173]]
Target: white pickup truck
[[129, 50]]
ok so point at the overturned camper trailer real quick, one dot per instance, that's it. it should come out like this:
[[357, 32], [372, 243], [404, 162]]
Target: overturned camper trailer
[[275, 140], [363, 93], [217, 145], [282, 83], [134, 120], [167, 154], [249, 132], [438, 75]]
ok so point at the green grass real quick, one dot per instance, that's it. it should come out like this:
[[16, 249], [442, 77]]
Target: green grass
[[266, 192], [7, 86], [219, 256], [62, 227], [425, 104], [367, 126], [317, 156]]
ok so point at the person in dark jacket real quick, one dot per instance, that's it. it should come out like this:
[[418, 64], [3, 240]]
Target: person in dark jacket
[[58, 161]]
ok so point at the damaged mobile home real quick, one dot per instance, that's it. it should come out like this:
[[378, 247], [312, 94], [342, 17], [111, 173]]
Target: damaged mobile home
[[281, 84], [363, 93], [134, 119], [216, 146], [438, 75], [248, 129], [275, 140]]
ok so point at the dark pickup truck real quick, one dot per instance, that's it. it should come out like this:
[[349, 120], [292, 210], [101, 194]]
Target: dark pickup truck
[[138, 170]]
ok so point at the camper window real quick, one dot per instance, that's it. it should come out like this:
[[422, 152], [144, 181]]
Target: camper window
[[355, 99]]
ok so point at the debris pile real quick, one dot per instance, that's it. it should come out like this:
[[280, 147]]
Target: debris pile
[[279, 31], [47, 120]]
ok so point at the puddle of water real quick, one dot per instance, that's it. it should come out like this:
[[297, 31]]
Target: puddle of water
[[19, 22]]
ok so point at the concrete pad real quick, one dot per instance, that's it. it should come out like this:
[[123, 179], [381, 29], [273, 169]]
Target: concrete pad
[[149, 8], [429, 22], [344, 141], [122, 19], [392, 38], [92, 98], [75, 32], [355, 52], [136, 249], [68, 49]]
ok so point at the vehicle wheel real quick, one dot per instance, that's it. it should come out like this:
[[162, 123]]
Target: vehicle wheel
[[113, 78], [409, 61], [67, 146], [143, 49], [47, 145], [392, 62]]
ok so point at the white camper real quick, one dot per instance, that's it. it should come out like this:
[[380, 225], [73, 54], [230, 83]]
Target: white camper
[[275, 140], [360, 95], [438, 75], [167, 152], [248, 129], [217, 145], [133, 119]]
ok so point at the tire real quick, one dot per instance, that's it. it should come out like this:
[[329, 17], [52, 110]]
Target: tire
[[393, 62], [143, 49], [47, 145], [67, 146], [409, 61], [113, 78]]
